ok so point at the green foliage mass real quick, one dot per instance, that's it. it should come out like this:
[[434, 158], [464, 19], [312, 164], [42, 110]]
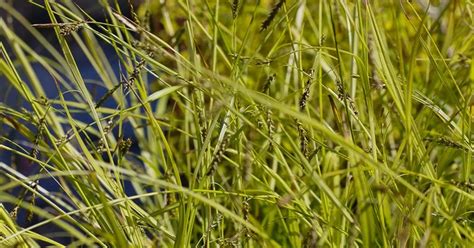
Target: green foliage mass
[[259, 124]]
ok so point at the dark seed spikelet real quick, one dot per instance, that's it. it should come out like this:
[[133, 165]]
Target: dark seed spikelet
[[245, 209], [268, 83], [68, 29], [266, 23], [35, 152], [38, 137], [124, 146], [343, 96], [263, 62], [322, 39], [21, 198], [271, 127], [130, 81], [303, 135], [106, 96], [352, 105], [40, 127], [69, 134], [202, 123], [246, 216], [14, 212], [198, 98], [127, 84], [218, 156], [227, 242], [467, 185], [445, 142], [203, 127], [305, 95], [107, 128], [146, 47], [65, 29], [235, 8], [134, 13]]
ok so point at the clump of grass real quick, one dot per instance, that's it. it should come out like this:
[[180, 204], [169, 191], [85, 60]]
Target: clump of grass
[[215, 135]]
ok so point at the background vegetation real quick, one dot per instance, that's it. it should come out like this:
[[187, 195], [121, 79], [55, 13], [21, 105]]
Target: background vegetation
[[240, 124]]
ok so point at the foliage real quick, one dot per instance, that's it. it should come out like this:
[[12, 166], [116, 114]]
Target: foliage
[[258, 124]]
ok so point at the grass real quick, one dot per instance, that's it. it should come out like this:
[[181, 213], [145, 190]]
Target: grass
[[257, 124]]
